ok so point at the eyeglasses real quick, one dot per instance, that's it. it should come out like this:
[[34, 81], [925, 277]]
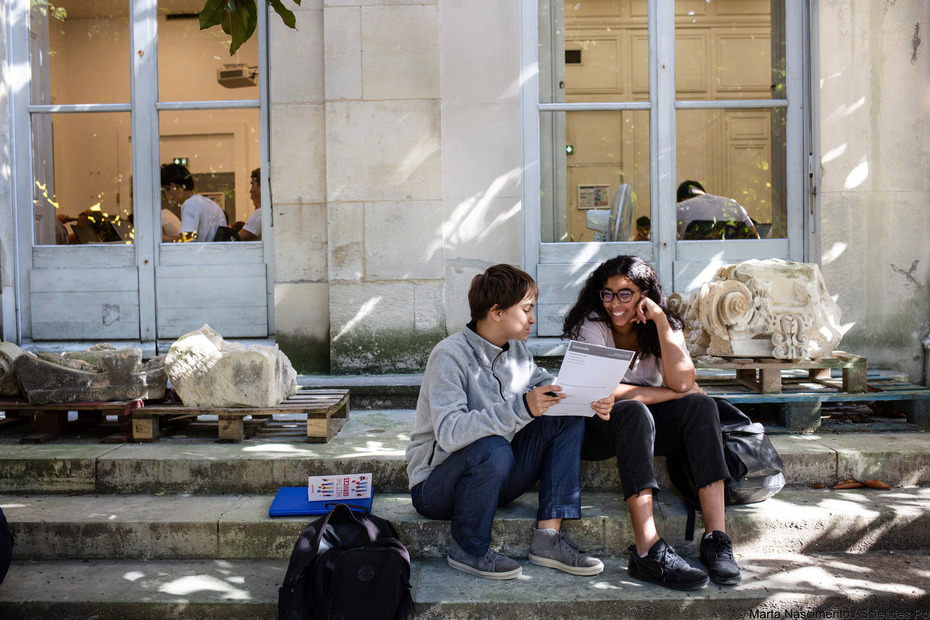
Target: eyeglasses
[[623, 295]]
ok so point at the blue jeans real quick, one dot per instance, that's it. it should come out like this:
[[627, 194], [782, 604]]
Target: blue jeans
[[472, 482]]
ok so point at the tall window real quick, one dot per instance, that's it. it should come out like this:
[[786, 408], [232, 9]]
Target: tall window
[[86, 87], [117, 89], [632, 99]]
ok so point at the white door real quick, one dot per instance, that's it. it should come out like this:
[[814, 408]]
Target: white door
[[102, 118], [650, 94]]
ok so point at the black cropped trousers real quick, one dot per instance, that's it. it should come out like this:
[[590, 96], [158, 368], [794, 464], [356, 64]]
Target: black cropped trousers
[[636, 433]]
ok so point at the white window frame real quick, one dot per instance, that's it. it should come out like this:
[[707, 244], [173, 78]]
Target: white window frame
[[144, 108], [663, 249]]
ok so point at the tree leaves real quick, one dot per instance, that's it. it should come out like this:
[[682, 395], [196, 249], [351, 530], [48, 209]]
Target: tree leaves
[[238, 18], [287, 16]]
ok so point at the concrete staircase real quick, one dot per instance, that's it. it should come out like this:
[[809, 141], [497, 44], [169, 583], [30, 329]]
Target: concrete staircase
[[180, 528]]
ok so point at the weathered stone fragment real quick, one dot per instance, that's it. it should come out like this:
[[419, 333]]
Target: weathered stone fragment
[[101, 373], [9, 386], [207, 371], [763, 308]]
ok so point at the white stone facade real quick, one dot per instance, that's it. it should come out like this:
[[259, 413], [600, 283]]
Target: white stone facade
[[397, 171]]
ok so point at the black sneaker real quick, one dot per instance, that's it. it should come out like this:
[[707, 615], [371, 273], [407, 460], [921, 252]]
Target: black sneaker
[[663, 567], [717, 556]]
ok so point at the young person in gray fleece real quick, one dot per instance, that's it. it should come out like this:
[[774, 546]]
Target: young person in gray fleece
[[481, 439]]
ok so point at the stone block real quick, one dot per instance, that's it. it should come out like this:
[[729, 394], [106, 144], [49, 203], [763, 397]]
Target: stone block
[[343, 53], [9, 385], [428, 309], [333, 3], [345, 224], [400, 52], [300, 230], [296, 57], [481, 230], [298, 128], [207, 371], [382, 150], [418, 224], [101, 373], [481, 154], [480, 73], [294, 302], [371, 306]]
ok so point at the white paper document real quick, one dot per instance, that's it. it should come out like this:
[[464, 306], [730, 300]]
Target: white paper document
[[589, 372]]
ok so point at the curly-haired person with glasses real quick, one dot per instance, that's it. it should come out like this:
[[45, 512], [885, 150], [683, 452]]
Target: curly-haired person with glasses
[[658, 409]]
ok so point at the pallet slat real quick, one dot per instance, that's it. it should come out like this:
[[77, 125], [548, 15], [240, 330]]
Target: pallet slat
[[51, 419], [327, 412], [764, 375]]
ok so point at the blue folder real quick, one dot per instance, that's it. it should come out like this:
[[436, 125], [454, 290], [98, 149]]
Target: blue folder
[[293, 502]]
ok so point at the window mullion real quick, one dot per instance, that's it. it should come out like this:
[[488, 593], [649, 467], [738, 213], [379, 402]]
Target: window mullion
[[795, 165], [144, 93], [662, 133]]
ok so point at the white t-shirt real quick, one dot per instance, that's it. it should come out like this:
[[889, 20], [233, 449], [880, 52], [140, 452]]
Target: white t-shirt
[[645, 370], [254, 223], [170, 224], [714, 209], [201, 215]]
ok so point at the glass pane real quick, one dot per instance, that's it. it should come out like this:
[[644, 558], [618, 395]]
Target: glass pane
[[601, 53], [738, 158], [194, 64], [596, 152], [80, 51], [220, 149], [82, 173], [729, 50]]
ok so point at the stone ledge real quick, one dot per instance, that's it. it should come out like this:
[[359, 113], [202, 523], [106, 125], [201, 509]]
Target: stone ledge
[[832, 585], [375, 442], [238, 526]]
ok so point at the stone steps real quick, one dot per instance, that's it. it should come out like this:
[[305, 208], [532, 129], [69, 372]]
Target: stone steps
[[798, 520], [180, 528], [777, 585], [374, 441]]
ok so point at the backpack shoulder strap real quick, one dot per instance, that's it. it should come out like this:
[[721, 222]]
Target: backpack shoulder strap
[[680, 475]]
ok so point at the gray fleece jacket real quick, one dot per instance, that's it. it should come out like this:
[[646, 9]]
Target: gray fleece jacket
[[471, 389]]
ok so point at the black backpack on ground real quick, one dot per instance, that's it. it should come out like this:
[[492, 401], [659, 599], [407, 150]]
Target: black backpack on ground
[[347, 565], [754, 464]]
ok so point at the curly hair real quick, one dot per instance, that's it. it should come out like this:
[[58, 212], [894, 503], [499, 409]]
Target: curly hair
[[589, 305]]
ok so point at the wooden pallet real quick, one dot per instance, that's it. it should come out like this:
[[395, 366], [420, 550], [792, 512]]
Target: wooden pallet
[[51, 420], [764, 375], [800, 398], [327, 412]]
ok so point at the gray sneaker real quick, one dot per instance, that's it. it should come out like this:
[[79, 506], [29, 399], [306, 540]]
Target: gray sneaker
[[553, 549], [491, 565]]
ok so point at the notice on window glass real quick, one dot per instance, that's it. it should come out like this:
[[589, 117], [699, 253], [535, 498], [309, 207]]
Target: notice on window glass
[[593, 196], [589, 372]]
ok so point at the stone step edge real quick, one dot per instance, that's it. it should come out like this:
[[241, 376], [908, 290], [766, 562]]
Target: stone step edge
[[152, 526], [897, 458], [841, 585]]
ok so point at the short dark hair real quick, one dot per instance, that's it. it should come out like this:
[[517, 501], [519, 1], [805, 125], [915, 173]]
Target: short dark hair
[[503, 286], [686, 190], [177, 174], [257, 175]]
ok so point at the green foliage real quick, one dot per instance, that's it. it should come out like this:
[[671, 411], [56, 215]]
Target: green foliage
[[238, 18], [50, 10]]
